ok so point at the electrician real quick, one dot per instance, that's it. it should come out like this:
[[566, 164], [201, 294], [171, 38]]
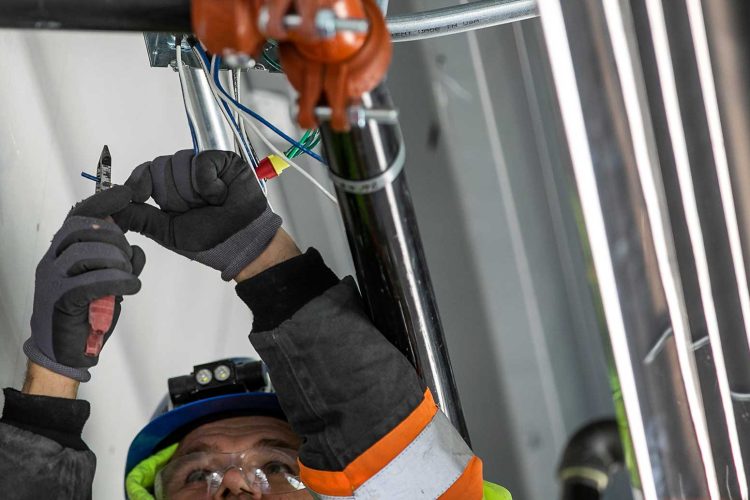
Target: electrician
[[354, 420]]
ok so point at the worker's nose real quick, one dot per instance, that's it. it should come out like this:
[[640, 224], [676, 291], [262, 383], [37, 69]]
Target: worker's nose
[[234, 486]]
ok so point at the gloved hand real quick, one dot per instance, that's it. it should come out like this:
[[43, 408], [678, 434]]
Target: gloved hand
[[89, 258], [212, 209]]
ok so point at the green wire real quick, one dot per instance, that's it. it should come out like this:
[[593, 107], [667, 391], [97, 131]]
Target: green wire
[[310, 139], [275, 65], [293, 152]]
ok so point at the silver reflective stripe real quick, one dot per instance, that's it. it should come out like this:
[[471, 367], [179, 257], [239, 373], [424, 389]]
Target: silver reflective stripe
[[425, 469], [318, 496]]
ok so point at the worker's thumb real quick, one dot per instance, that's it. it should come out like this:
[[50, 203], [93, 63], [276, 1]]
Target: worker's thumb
[[146, 220], [104, 203]]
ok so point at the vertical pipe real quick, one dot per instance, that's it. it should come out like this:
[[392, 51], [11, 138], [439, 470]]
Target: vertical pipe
[[385, 243], [656, 217], [728, 39], [210, 127], [702, 219]]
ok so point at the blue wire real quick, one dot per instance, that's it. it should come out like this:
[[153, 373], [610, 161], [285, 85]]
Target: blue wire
[[90, 177], [252, 113], [264, 121], [236, 127], [192, 134]]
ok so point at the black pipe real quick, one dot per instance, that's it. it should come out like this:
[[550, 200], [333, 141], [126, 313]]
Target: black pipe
[[116, 15], [591, 457], [384, 239]]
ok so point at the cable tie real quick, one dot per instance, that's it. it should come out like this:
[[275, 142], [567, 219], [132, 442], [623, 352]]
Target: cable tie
[[374, 184]]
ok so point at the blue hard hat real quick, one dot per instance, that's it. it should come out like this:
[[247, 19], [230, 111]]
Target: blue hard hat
[[169, 424]]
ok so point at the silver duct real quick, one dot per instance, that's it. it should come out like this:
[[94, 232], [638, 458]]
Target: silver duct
[[208, 124], [656, 117]]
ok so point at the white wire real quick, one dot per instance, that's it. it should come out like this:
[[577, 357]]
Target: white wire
[[250, 120], [235, 130], [290, 162], [183, 89]]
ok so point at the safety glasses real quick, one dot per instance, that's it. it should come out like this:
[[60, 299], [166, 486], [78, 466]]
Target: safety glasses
[[200, 475]]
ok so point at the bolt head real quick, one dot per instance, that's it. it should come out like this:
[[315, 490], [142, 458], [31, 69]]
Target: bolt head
[[325, 22]]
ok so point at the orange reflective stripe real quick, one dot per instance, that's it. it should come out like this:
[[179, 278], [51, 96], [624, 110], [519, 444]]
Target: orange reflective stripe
[[325, 482], [469, 485], [389, 446], [374, 458]]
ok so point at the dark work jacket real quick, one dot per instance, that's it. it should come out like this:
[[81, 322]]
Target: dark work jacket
[[33, 466], [366, 420]]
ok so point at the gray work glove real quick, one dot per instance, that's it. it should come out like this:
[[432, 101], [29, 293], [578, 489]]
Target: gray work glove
[[212, 209], [88, 259]]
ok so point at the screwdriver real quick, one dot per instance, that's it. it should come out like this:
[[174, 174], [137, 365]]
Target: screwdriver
[[102, 310]]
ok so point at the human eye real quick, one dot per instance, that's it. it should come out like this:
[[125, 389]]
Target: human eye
[[197, 475], [276, 467]]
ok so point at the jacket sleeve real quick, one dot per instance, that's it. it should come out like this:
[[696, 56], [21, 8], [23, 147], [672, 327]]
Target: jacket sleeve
[[41, 451], [370, 428]]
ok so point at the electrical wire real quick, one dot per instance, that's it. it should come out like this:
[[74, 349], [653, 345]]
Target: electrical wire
[[181, 73], [267, 142], [459, 18], [310, 139], [293, 151], [292, 164], [238, 106], [240, 121], [246, 151], [242, 109], [235, 128], [274, 64], [244, 147]]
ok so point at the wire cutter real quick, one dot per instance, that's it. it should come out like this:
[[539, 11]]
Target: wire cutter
[[101, 311]]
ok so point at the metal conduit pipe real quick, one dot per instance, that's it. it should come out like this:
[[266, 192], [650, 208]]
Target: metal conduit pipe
[[367, 166], [209, 126], [174, 16], [639, 104], [459, 19]]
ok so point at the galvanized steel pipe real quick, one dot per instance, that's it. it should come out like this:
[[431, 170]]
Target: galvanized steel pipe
[[174, 16], [459, 19]]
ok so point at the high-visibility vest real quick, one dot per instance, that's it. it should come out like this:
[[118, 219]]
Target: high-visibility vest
[[495, 492]]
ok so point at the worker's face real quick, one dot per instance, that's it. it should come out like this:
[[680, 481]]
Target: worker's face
[[263, 441]]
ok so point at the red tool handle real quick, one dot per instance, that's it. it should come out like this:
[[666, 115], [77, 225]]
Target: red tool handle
[[101, 315]]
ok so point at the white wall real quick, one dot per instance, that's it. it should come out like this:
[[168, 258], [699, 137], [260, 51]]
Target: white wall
[[62, 97]]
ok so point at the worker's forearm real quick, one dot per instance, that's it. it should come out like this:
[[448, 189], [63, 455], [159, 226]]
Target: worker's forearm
[[281, 249], [48, 408], [43, 382]]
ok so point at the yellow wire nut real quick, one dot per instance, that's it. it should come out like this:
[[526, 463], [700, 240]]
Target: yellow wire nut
[[271, 167], [279, 164]]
